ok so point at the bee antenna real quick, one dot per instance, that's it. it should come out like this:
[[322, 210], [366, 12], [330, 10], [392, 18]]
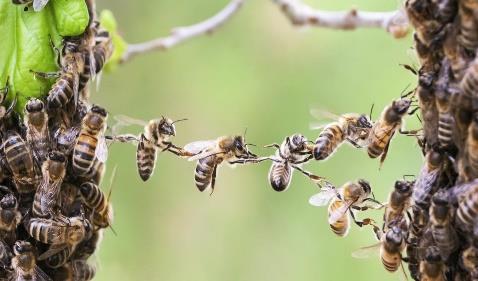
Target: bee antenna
[[244, 135], [251, 144], [112, 179], [184, 119], [113, 230], [403, 91], [371, 110]]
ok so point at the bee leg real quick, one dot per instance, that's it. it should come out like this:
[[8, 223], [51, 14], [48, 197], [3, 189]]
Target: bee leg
[[311, 176], [352, 142], [409, 133], [367, 221], [380, 205], [252, 161], [45, 75], [12, 106], [384, 153], [272, 145], [305, 160], [213, 179]]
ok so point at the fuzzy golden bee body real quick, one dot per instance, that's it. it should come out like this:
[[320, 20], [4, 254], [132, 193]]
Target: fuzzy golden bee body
[[399, 201], [37, 134]]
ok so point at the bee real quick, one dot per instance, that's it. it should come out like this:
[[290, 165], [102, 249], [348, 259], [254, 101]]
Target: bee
[[24, 263], [446, 120], [95, 199], [88, 246], [76, 270], [20, 162], [157, 136], [469, 83], [48, 192], [425, 21], [398, 202], [103, 48], [432, 267], [467, 209], [351, 127], [38, 5], [455, 53], [37, 135], [469, 165], [68, 198], [383, 130], [350, 197], [57, 232], [441, 214], [428, 105], [467, 37], [391, 245], [209, 154], [10, 217], [96, 173], [71, 62], [90, 142], [413, 257], [469, 256], [425, 184], [294, 151]]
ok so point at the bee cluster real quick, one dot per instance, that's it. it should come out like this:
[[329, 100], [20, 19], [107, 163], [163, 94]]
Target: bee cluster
[[52, 211]]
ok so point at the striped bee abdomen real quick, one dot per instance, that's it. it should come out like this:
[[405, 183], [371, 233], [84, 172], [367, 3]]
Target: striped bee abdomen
[[145, 158], [446, 122], [468, 209], [62, 91], [280, 176], [84, 153], [391, 262], [341, 226], [380, 137], [329, 139], [204, 171], [59, 258]]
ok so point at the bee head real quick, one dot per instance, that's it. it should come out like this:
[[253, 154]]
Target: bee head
[[297, 142], [432, 254], [34, 105], [57, 156], [363, 122], [403, 186], [99, 110], [394, 236], [434, 157], [401, 106], [441, 197], [85, 188], [22, 247], [365, 186], [166, 127], [8, 202], [96, 118]]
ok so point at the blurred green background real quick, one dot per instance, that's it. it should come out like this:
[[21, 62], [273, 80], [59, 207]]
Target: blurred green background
[[261, 73]]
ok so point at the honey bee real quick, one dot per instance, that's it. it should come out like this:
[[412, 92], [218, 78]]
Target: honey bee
[[432, 268], [344, 201], [469, 257], [446, 120], [156, 136], [467, 209], [24, 263], [469, 83], [428, 106], [383, 130], [95, 199], [96, 172], [103, 48], [66, 86], [469, 165], [38, 5], [57, 232], [413, 257], [88, 246], [427, 25], [76, 270], [425, 183], [20, 162], [209, 154], [293, 152], [36, 123], [467, 36], [10, 217], [90, 142], [441, 214], [398, 203], [391, 245], [48, 192], [351, 127]]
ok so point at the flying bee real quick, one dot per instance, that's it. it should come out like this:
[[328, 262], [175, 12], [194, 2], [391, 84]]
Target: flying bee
[[37, 135], [48, 192], [210, 154], [432, 267], [20, 162], [425, 183], [24, 263], [71, 62], [351, 127], [383, 130], [398, 203], [349, 198], [10, 217], [467, 209], [157, 136], [90, 143], [38, 5], [294, 151], [441, 214], [391, 245], [76, 270]]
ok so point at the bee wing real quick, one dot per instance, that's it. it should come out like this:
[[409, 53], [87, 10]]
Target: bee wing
[[40, 275], [367, 251], [92, 63], [54, 249], [101, 151], [200, 149], [335, 215], [323, 197], [38, 5], [123, 121], [324, 118]]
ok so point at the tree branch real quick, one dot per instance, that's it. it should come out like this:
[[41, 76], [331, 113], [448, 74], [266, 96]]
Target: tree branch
[[394, 22], [181, 34]]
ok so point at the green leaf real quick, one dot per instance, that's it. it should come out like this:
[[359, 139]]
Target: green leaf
[[108, 21], [25, 44]]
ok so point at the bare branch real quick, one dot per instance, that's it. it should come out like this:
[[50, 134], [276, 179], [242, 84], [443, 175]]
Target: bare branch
[[394, 22], [181, 34]]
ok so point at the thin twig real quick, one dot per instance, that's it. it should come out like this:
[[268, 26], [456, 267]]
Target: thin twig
[[394, 22], [181, 34]]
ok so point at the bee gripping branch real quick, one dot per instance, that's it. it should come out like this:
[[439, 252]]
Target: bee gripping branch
[[181, 34], [394, 22]]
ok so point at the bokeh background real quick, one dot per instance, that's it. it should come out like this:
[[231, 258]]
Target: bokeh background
[[257, 72]]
